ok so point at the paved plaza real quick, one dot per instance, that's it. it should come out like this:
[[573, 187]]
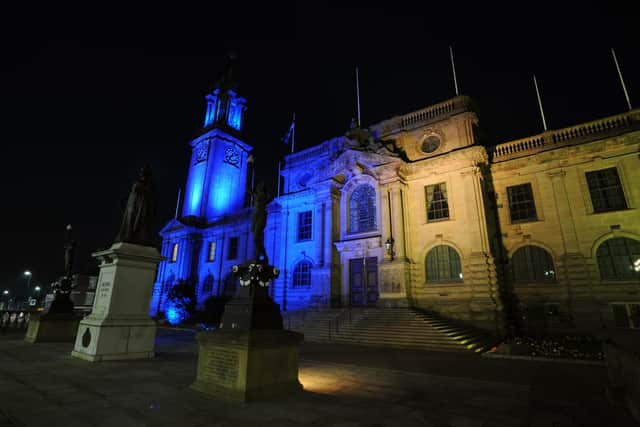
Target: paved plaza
[[41, 385]]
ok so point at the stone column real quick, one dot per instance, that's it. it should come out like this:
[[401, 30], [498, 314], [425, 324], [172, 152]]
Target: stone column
[[486, 309], [571, 265], [319, 220], [563, 210], [397, 220]]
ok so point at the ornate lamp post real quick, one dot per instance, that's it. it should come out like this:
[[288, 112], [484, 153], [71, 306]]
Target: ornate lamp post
[[389, 246]]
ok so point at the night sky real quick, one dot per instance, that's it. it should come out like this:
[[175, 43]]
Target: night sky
[[89, 96]]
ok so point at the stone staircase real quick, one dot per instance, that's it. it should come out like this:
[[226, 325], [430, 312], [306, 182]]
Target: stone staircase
[[388, 327]]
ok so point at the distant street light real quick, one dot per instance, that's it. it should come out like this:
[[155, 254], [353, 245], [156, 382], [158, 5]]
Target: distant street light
[[29, 275], [37, 288], [5, 292]]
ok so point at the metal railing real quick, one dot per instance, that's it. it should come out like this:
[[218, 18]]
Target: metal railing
[[298, 320]]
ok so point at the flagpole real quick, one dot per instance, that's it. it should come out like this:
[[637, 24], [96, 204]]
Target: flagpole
[[293, 133], [544, 122], [624, 87], [177, 203], [358, 94], [453, 67]]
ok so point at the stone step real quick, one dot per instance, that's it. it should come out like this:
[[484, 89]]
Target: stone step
[[394, 344], [393, 327]]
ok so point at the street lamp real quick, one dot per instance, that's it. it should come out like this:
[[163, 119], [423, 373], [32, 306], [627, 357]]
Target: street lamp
[[37, 288], [29, 276], [389, 247]]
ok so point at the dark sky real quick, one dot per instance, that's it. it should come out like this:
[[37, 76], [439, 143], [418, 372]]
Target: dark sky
[[87, 96]]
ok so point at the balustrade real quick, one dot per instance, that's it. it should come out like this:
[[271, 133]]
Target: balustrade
[[567, 136]]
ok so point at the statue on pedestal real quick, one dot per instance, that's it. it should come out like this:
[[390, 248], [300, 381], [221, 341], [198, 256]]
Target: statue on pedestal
[[69, 249], [137, 221], [62, 303]]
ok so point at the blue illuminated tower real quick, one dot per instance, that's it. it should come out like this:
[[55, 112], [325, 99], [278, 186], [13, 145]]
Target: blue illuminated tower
[[212, 233], [218, 167]]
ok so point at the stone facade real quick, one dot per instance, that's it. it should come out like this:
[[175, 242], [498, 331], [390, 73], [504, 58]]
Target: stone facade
[[424, 214]]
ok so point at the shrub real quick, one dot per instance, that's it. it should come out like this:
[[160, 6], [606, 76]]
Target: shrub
[[181, 302]]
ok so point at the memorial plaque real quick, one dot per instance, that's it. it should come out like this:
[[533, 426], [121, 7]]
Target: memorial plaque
[[222, 367]]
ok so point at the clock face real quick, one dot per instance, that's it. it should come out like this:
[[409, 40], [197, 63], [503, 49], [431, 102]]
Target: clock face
[[232, 157], [202, 151], [430, 144]]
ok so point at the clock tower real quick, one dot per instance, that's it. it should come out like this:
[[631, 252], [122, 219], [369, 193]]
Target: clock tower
[[218, 166]]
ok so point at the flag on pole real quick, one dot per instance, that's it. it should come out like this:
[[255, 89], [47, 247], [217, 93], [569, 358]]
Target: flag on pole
[[290, 137]]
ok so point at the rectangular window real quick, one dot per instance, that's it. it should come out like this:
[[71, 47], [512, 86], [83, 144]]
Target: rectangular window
[[521, 205], [437, 202], [211, 254], [606, 190], [626, 315], [304, 226], [233, 248], [174, 253]]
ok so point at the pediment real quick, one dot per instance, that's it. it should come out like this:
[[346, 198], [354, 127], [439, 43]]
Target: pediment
[[351, 163], [172, 226]]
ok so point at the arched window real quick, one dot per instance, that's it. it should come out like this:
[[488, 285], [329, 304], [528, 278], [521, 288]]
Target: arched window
[[532, 264], [362, 209], [619, 259], [443, 264], [302, 274]]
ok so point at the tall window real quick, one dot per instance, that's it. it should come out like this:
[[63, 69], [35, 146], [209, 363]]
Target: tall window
[[174, 253], [304, 226], [437, 204], [232, 252], [443, 264], [606, 191], [211, 253], [521, 205], [619, 259], [532, 264], [302, 274], [362, 209]]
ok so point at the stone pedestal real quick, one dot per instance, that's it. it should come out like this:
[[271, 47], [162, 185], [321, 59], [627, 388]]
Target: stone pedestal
[[247, 365], [250, 357], [52, 327], [59, 323], [119, 326]]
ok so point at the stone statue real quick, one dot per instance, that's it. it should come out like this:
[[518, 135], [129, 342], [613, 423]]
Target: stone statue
[[363, 138], [259, 221], [69, 248], [137, 221]]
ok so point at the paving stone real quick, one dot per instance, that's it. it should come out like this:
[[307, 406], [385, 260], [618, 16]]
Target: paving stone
[[356, 387]]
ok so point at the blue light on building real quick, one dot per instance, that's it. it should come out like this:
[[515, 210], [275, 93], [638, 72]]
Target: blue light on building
[[235, 115], [194, 191], [220, 194]]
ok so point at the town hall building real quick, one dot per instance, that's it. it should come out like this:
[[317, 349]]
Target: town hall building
[[416, 211]]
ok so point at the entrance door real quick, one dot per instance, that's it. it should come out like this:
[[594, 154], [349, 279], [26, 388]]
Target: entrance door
[[363, 281]]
